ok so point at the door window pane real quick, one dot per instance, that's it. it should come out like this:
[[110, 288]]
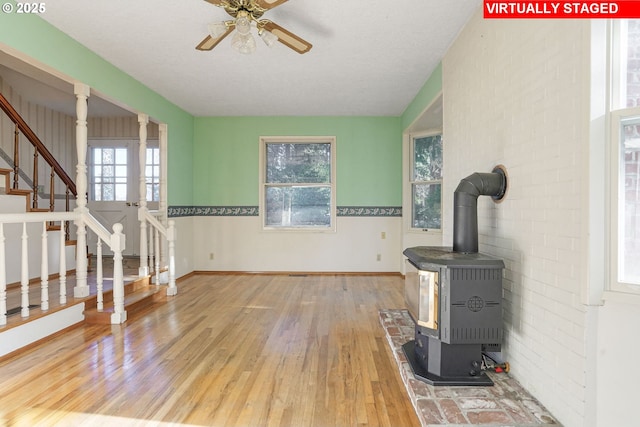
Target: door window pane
[[152, 174], [108, 177]]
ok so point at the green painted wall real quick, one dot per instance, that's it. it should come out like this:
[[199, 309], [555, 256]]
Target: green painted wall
[[32, 36], [428, 92], [369, 157]]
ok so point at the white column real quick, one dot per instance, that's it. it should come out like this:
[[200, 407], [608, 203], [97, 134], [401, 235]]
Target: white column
[[143, 119], [82, 94], [163, 204]]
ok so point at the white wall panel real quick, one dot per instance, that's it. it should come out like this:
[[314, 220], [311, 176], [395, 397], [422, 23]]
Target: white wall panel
[[239, 244]]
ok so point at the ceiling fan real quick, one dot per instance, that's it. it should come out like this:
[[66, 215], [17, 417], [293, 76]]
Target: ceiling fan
[[246, 13]]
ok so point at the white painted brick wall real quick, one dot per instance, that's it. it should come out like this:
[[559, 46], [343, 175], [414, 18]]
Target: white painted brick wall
[[514, 95]]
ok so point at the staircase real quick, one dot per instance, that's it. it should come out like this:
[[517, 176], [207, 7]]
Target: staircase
[[34, 304], [41, 322]]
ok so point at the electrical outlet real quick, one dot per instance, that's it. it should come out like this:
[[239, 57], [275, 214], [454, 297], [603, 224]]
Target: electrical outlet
[[211, 256], [378, 257], [383, 235]]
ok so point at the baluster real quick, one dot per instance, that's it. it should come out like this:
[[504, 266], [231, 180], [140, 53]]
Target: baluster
[[34, 203], [44, 270], [150, 246], [117, 246], [51, 195], [171, 237], [24, 276], [52, 191], [67, 236], [3, 279], [63, 262], [156, 236], [99, 274], [16, 158]]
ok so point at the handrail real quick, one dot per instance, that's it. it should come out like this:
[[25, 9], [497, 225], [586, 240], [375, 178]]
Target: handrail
[[155, 223], [169, 233], [115, 240], [17, 119], [95, 226]]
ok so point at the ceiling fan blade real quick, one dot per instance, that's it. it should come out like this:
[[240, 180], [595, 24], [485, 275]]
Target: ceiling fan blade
[[268, 4], [209, 42], [287, 38]]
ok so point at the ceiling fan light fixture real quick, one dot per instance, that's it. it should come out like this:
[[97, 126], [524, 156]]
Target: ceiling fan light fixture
[[247, 14], [243, 43], [267, 37], [243, 24], [217, 29]]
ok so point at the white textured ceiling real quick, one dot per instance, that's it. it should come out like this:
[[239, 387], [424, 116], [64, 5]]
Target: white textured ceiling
[[369, 58]]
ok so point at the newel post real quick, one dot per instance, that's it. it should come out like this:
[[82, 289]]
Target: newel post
[[118, 241], [143, 119], [82, 94], [172, 289]]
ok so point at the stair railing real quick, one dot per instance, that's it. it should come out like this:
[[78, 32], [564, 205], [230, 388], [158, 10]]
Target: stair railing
[[156, 253], [115, 240], [21, 127]]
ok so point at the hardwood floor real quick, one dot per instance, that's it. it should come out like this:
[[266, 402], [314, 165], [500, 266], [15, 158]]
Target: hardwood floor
[[229, 350]]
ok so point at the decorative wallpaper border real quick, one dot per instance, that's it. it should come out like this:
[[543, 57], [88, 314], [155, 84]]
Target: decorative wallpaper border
[[369, 211], [180, 211], [350, 211]]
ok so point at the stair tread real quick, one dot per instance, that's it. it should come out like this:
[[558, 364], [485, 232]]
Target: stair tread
[[18, 191], [134, 301], [130, 299]]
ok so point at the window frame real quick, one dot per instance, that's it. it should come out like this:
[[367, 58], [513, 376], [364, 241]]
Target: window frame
[[412, 182], [153, 181], [619, 115], [264, 140], [616, 179]]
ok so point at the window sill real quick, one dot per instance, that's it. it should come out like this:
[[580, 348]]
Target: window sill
[[423, 231], [619, 297]]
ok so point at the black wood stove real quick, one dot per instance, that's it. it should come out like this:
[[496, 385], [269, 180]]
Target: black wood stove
[[454, 295]]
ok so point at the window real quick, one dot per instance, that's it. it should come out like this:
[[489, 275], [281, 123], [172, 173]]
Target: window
[[109, 174], [152, 174], [625, 156], [426, 181], [113, 172], [298, 183]]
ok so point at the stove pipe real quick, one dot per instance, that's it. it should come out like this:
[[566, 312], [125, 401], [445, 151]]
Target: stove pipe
[[465, 206]]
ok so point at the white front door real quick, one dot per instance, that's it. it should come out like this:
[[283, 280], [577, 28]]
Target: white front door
[[114, 187]]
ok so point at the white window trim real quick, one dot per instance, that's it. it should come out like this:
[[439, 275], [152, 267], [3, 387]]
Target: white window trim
[[264, 140], [618, 113], [408, 203], [617, 119]]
